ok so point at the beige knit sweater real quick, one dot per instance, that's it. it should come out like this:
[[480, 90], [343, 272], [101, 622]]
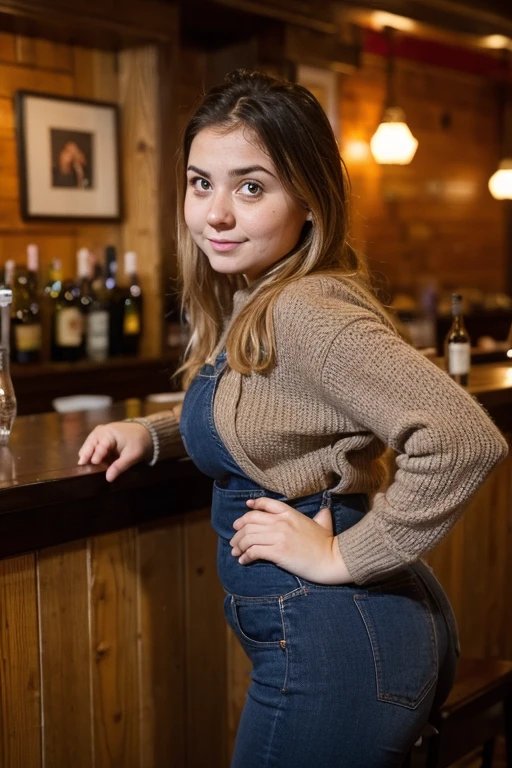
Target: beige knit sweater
[[345, 386]]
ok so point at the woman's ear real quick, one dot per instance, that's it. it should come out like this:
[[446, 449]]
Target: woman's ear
[[309, 217]]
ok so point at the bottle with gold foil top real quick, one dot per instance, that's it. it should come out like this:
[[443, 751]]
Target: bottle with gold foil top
[[132, 311], [7, 396]]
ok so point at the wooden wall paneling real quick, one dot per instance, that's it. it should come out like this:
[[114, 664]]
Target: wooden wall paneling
[[44, 54], [499, 609], [95, 74], [162, 632], [206, 676], [9, 169], [13, 78], [20, 713], [138, 97], [7, 47], [474, 564], [115, 650], [6, 118], [64, 615]]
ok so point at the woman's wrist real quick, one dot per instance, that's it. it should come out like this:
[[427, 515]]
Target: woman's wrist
[[153, 458]]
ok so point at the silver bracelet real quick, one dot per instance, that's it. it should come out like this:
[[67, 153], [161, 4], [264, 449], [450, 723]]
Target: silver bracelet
[[154, 437]]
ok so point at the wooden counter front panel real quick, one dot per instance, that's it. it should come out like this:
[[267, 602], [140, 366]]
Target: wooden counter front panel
[[114, 651]]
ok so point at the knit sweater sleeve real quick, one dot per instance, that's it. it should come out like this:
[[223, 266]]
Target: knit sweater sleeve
[[164, 429], [446, 443]]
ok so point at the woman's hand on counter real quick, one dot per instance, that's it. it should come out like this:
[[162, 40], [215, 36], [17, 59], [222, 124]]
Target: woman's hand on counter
[[277, 532], [120, 444]]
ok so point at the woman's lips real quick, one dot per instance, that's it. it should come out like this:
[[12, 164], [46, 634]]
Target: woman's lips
[[222, 246]]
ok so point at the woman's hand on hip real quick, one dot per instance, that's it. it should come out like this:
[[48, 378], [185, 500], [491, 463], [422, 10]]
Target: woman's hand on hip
[[306, 547], [121, 444]]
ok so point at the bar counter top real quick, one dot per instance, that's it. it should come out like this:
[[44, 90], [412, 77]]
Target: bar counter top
[[45, 498]]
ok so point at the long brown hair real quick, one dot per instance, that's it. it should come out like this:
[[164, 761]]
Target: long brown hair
[[294, 131]]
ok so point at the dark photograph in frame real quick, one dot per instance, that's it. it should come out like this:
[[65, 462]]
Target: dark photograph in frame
[[68, 158]]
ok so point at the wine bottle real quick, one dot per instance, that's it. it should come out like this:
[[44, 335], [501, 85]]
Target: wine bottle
[[458, 345], [33, 269], [26, 328], [67, 321], [132, 309], [94, 302], [115, 299]]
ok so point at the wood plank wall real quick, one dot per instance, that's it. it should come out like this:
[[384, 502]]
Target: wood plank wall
[[435, 218], [129, 79], [114, 652]]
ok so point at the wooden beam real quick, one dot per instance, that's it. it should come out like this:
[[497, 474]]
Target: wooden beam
[[454, 16], [91, 22], [305, 13]]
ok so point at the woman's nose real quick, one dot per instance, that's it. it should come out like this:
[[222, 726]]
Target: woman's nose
[[220, 213]]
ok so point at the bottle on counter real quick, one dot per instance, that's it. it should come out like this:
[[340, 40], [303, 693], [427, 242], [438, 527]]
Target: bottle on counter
[[33, 269], [178, 334], [132, 306], [115, 300], [7, 396], [26, 326], [457, 346], [94, 308], [67, 327]]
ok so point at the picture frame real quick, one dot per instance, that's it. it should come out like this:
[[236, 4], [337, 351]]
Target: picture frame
[[69, 159], [323, 85]]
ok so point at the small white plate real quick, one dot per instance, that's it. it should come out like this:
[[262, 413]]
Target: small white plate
[[81, 403], [166, 397]]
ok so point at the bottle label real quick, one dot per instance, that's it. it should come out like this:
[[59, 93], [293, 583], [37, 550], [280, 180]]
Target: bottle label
[[28, 338], [97, 334], [131, 324], [459, 359], [69, 327]]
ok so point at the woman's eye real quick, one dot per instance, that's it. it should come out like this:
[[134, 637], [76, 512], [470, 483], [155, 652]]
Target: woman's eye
[[252, 188], [199, 184]]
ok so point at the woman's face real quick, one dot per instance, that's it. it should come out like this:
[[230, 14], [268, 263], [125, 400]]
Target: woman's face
[[236, 208]]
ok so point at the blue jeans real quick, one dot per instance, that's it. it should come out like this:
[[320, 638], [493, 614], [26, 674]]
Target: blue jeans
[[343, 676]]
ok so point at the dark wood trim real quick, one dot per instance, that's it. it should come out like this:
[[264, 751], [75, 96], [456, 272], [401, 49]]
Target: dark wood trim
[[311, 14], [67, 509], [91, 22], [169, 138]]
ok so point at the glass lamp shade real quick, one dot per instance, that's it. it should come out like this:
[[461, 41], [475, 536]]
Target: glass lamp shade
[[393, 143], [500, 183]]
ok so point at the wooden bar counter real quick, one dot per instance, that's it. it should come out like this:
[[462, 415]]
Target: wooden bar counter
[[114, 649]]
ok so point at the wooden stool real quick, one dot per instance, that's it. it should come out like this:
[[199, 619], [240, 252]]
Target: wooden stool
[[478, 709]]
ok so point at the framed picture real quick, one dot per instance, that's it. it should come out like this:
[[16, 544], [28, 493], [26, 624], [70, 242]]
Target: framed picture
[[68, 158], [323, 84]]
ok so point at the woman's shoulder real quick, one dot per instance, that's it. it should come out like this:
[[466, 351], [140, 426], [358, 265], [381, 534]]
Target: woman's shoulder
[[328, 295]]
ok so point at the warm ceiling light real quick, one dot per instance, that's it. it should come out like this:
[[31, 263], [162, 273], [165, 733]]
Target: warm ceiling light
[[383, 19], [393, 143], [500, 183], [496, 42]]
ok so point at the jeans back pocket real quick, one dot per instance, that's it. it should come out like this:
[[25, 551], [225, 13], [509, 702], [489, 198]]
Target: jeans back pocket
[[401, 631]]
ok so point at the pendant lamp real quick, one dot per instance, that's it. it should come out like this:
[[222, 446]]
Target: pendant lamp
[[500, 183], [392, 143]]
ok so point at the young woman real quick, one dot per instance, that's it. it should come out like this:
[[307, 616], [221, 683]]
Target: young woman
[[296, 382]]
